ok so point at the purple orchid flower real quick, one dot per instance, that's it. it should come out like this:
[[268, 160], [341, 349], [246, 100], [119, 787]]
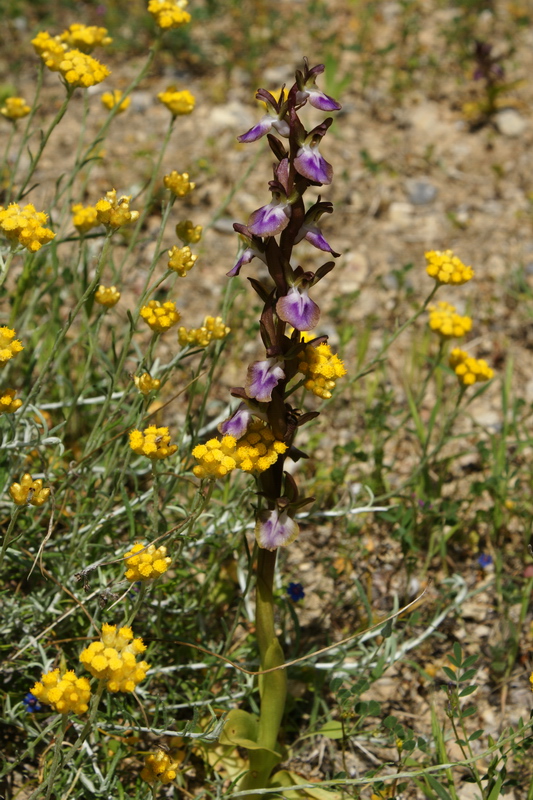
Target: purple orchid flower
[[311, 231], [275, 529], [250, 247], [297, 308], [237, 424], [309, 162], [273, 218], [262, 378], [274, 118], [307, 89]]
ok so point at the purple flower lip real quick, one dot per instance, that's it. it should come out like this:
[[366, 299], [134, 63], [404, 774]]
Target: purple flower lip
[[262, 378], [310, 229], [312, 165], [297, 308], [263, 127], [318, 99], [238, 423], [271, 219], [275, 529], [250, 247]]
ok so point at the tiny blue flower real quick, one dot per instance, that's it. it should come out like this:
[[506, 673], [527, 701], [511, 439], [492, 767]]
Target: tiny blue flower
[[484, 560], [31, 703], [295, 591]]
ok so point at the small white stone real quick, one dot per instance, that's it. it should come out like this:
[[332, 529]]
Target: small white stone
[[510, 123]]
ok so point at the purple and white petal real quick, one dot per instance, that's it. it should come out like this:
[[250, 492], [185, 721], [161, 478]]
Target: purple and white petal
[[262, 378], [298, 310], [274, 529], [282, 127], [237, 424], [270, 220], [255, 133], [245, 258], [323, 101], [315, 236], [312, 165]]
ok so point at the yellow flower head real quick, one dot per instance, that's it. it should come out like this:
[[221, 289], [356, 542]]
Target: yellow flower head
[[29, 491], [115, 212], [178, 184], [84, 218], [25, 225], [322, 368], [445, 267], [469, 370], [216, 458], [112, 99], [152, 442], [8, 404], [161, 766], [178, 103], [444, 321], [146, 563], [181, 260], [160, 316], [50, 48], [114, 659], [258, 449], [169, 13], [79, 69], [213, 328], [85, 37], [9, 346], [146, 384], [15, 108], [188, 233], [107, 296], [64, 693]]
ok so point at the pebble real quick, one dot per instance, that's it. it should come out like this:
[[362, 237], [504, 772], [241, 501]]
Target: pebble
[[510, 123], [233, 116], [420, 191]]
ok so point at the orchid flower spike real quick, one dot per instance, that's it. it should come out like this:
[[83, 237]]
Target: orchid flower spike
[[274, 118]]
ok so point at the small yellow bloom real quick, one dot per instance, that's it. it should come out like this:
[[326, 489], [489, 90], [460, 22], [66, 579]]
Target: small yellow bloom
[[64, 693], [469, 370], [79, 69], [85, 37], [213, 328], [216, 458], [161, 766], [322, 368], [50, 48], [160, 316], [113, 212], [169, 13], [25, 225], [146, 384], [112, 99], [178, 184], [84, 218], [29, 491], [444, 321], [445, 267], [15, 108], [8, 403], [181, 260], [9, 346], [114, 659], [178, 103], [153, 442], [258, 449], [188, 233], [107, 296], [146, 563]]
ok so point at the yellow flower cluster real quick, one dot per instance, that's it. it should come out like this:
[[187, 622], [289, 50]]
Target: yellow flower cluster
[[146, 563], [178, 184], [8, 403], [25, 225], [445, 267], [213, 328], [114, 212], [178, 103], [152, 442], [84, 218], [29, 491], [9, 346], [188, 233], [181, 260], [469, 370], [161, 767], [446, 322], [107, 296], [254, 452], [79, 69], [160, 316], [85, 37], [64, 693], [169, 13], [114, 659], [146, 384], [15, 108], [114, 98], [50, 48], [322, 368]]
